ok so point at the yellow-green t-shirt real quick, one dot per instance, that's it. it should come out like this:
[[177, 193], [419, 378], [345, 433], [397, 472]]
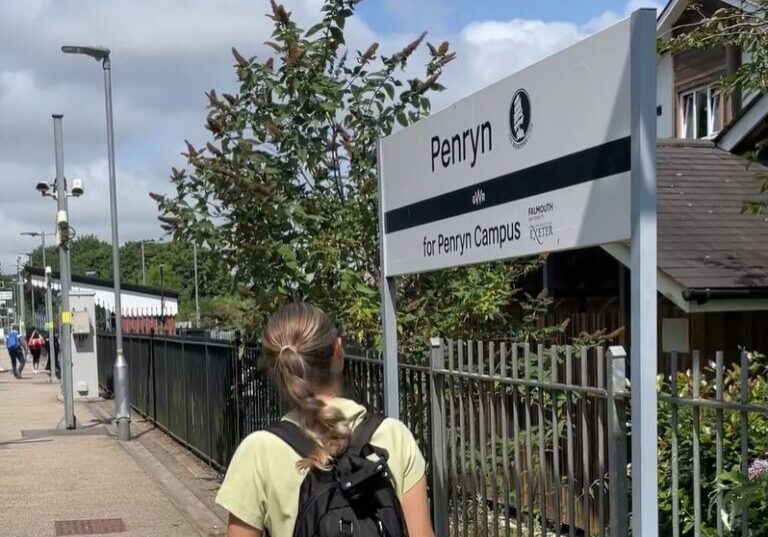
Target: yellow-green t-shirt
[[262, 484]]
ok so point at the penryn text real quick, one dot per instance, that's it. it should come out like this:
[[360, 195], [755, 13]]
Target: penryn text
[[462, 147]]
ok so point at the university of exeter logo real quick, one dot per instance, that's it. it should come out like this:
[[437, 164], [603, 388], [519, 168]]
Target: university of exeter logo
[[520, 124]]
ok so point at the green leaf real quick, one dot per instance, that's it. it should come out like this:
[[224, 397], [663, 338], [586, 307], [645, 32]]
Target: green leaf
[[316, 28], [390, 89]]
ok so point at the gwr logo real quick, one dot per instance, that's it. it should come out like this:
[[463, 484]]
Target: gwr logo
[[478, 198]]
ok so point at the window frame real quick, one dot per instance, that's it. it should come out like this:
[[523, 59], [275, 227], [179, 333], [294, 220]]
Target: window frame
[[712, 95]]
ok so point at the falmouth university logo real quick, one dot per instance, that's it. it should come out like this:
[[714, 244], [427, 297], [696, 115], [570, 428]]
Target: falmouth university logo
[[520, 124]]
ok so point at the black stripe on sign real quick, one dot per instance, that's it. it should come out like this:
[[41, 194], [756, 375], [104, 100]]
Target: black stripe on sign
[[594, 163]]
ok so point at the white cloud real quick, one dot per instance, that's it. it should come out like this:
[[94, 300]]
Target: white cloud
[[165, 56], [494, 49], [610, 17]]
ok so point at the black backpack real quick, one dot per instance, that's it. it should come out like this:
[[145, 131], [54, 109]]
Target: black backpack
[[355, 498]]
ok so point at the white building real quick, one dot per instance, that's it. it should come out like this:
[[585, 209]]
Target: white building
[[135, 299]]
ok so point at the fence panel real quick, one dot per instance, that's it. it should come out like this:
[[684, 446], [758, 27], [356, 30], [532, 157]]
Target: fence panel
[[515, 417], [221, 402], [106, 351], [161, 382], [175, 392], [140, 353], [713, 418]]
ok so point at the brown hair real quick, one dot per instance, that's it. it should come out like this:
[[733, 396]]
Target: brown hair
[[298, 347]]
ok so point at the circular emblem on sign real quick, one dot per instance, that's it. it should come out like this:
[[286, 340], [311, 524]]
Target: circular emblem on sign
[[520, 123]]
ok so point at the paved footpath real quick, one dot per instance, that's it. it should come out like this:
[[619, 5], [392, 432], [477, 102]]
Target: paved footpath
[[47, 477]]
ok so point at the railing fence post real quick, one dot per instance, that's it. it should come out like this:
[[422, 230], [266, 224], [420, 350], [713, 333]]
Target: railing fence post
[[239, 356], [152, 371], [184, 402], [209, 430], [166, 377], [617, 441], [439, 474]]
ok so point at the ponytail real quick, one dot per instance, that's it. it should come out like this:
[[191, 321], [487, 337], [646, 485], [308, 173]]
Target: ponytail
[[298, 345]]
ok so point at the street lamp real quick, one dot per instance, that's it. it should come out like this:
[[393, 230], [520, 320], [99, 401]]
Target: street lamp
[[143, 261], [48, 298], [42, 235], [21, 316], [31, 293], [122, 403]]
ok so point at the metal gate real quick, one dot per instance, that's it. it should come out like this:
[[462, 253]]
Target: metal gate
[[528, 441]]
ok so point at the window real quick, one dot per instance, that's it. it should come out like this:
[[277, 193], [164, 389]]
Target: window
[[701, 112]]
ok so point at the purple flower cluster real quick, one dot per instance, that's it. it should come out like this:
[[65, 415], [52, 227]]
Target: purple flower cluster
[[757, 467]]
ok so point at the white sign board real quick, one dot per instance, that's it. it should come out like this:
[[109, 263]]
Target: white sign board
[[6, 295], [537, 162]]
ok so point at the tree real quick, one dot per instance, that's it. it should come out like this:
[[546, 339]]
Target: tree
[[88, 253], [746, 28], [92, 255], [285, 192]]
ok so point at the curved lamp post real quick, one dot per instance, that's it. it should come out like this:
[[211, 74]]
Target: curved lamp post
[[122, 396]]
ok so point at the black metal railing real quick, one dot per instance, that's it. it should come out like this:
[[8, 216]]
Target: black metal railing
[[186, 388], [210, 395]]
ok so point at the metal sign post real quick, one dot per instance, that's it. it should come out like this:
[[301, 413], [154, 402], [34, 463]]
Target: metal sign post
[[388, 313], [559, 156], [644, 318]]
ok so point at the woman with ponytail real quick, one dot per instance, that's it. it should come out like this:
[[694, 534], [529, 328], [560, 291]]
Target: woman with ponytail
[[301, 347]]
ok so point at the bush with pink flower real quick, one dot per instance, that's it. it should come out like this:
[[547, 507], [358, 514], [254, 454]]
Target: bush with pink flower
[[748, 493]]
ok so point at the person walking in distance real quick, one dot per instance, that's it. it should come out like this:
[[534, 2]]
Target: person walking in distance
[[14, 344], [35, 342], [328, 468], [52, 350]]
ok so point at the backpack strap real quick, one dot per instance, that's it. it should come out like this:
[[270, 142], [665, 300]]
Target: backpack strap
[[294, 436], [301, 443], [363, 433]]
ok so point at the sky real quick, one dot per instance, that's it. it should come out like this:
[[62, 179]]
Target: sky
[[167, 54]]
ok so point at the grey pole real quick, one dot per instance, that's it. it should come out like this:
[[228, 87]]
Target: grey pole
[[22, 305], [122, 404], [32, 296], [643, 353], [48, 312], [388, 289], [143, 266], [197, 293], [15, 291], [65, 278], [42, 238], [122, 397]]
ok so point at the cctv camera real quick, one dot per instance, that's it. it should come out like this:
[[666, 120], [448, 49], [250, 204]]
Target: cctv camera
[[43, 187], [77, 187], [62, 222]]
